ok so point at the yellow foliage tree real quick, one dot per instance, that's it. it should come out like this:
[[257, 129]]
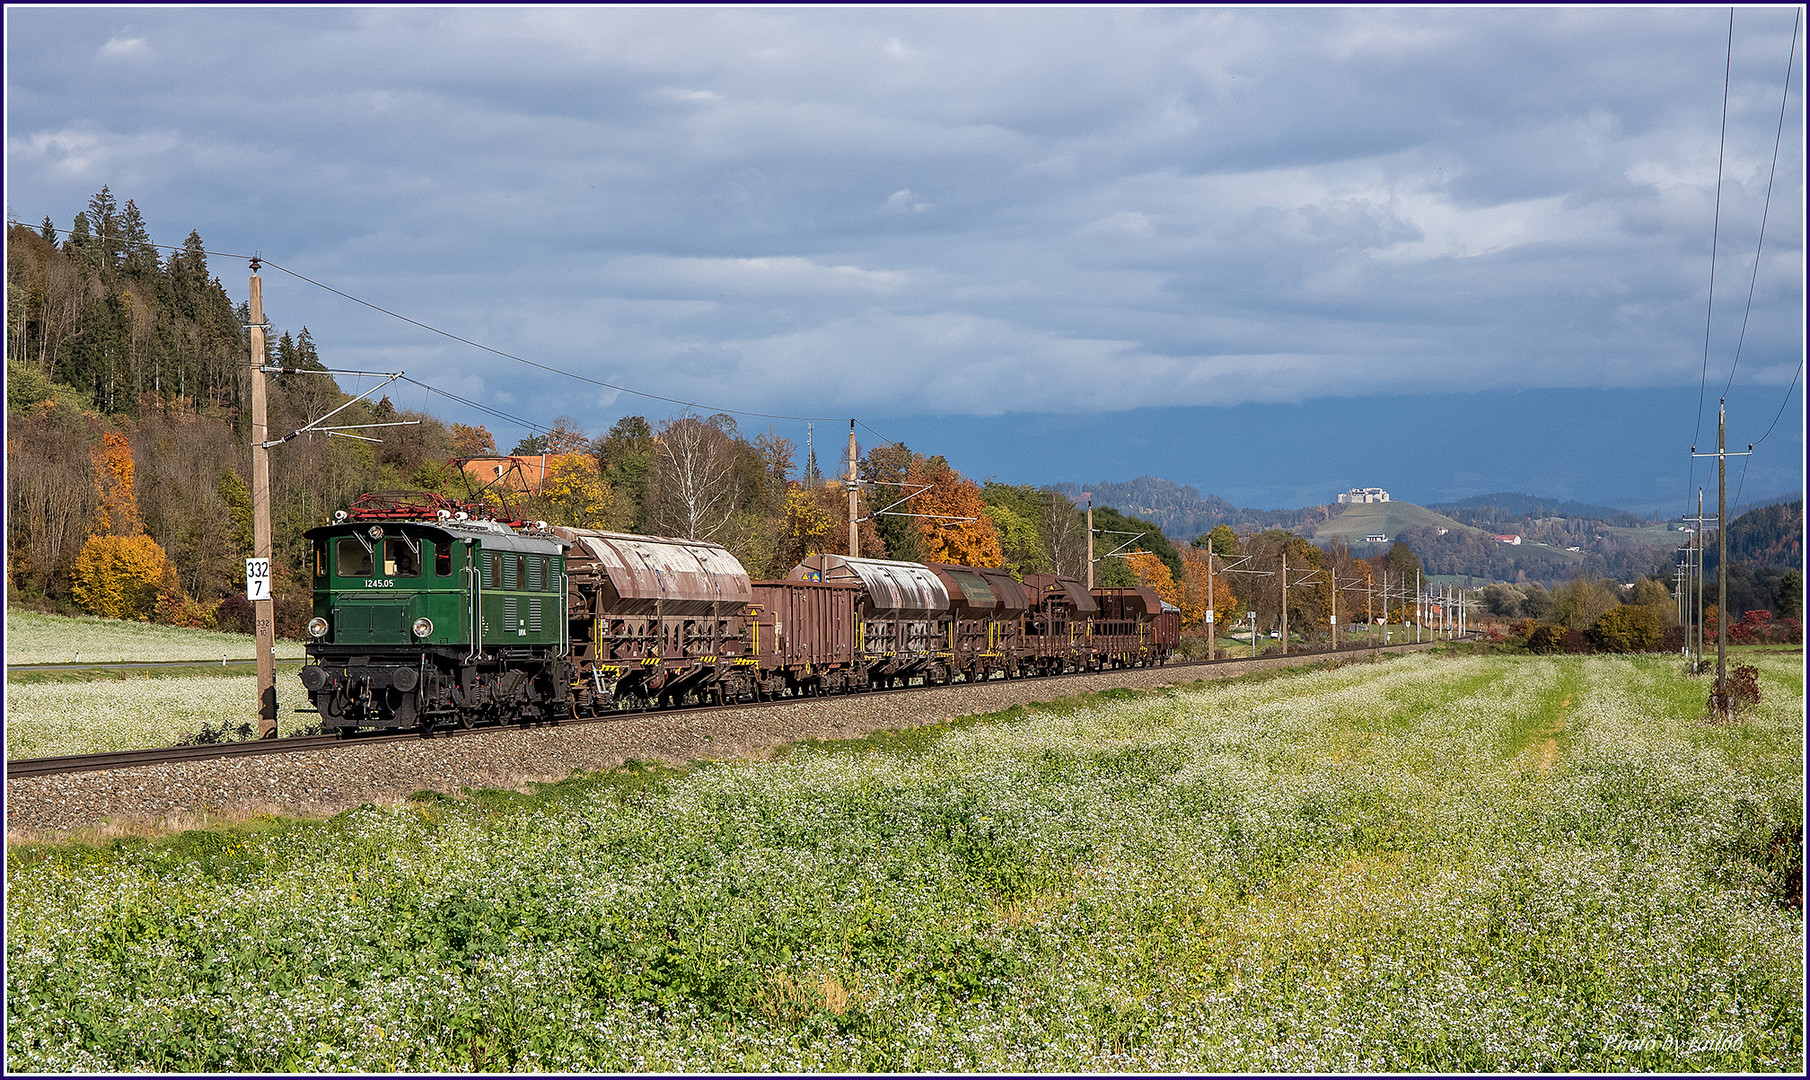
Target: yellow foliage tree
[[112, 468], [951, 496], [805, 529], [120, 577], [575, 493]]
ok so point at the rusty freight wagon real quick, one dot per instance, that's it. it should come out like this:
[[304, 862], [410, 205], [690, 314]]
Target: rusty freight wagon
[[654, 619], [986, 614], [1127, 630], [1054, 637], [903, 607]]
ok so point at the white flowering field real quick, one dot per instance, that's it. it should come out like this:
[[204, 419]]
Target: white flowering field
[[53, 718], [35, 638], [1446, 865]]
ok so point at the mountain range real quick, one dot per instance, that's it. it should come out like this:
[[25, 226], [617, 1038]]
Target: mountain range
[[1500, 536]]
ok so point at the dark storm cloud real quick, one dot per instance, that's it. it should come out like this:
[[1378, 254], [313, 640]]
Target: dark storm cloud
[[950, 211]]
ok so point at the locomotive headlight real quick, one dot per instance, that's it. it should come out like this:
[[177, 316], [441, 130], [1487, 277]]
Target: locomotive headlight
[[317, 626], [423, 627]]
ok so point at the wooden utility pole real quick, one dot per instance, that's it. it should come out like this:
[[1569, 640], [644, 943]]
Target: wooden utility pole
[[854, 528], [1090, 545], [263, 611], [1725, 706], [1284, 601], [1210, 653], [1719, 696], [1334, 575], [1369, 613]]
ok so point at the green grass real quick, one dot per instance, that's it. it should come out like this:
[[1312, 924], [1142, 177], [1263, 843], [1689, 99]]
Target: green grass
[[36, 638], [1444, 864]]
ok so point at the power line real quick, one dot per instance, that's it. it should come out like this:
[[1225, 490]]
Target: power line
[[1715, 234], [1766, 209], [477, 345]]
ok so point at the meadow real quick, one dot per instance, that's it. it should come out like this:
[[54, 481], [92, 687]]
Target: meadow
[[53, 714], [1451, 864], [36, 638]]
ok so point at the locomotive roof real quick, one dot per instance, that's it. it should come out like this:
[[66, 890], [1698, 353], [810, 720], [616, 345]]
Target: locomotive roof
[[492, 535]]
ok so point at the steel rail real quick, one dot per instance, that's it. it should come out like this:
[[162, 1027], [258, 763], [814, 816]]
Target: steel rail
[[125, 759]]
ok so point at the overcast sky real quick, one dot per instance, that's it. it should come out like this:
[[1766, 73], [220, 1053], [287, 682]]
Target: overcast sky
[[998, 234]]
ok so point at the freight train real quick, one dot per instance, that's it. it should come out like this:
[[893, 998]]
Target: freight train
[[429, 613]]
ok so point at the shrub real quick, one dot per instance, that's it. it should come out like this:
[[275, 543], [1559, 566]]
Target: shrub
[[175, 609], [1627, 628], [1544, 637]]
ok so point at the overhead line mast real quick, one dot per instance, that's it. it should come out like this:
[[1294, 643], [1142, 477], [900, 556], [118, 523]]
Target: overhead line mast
[[263, 610]]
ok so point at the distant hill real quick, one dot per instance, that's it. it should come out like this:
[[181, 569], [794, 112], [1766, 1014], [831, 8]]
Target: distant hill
[[1182, 511], [1354, 521], [1560, 539], [1770, 537], [1514, 506]]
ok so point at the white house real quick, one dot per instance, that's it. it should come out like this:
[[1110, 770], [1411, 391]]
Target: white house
[[1364, 495]]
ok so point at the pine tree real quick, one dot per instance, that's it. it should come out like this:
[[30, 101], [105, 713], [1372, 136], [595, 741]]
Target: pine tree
[[103, 217], [141, 256]]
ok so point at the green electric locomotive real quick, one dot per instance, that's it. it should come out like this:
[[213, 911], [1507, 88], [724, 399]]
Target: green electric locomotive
[[435, 618]]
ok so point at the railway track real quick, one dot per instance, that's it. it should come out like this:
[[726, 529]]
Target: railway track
[[126, 759]]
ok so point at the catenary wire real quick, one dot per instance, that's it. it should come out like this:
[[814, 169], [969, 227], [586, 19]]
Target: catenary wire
[[546, 367], [477, 345]]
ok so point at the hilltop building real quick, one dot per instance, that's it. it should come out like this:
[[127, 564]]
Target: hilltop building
[[1364, 495]]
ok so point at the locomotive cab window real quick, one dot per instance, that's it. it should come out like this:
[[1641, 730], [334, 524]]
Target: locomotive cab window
[[320, 558], [399, 560], [443, 560], [352, 560]]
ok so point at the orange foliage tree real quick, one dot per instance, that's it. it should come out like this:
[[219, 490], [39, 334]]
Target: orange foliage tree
[[1153, 573], [950, 496], [470, 442], [112, 467], [1194, 602]]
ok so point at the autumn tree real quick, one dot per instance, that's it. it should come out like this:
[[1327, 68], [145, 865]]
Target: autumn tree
[[471, 442], [955, 528], [574, 493], [882, 473], [1195, 600], [1152, 573], [121, 577], [112, 468]]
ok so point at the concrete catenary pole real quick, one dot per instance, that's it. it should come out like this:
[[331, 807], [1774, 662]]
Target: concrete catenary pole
[[854, 528], [263, 611]]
